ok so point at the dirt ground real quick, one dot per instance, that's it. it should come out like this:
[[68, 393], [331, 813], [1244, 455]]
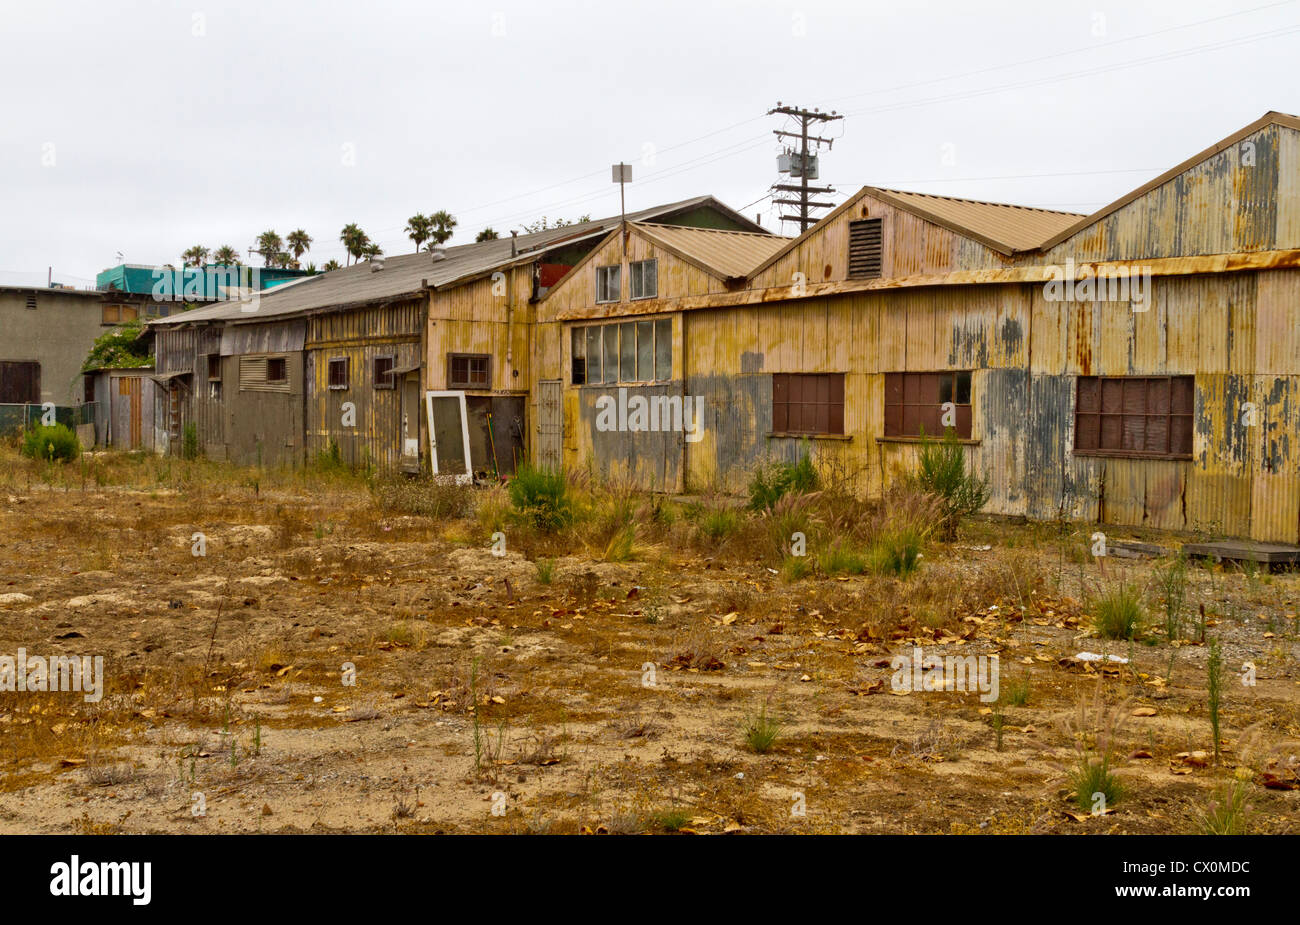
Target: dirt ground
[[326, 666]]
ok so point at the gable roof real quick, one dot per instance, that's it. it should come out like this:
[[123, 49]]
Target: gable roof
[[408, 275], [1269, 118], [726, 254], [1005, 228]]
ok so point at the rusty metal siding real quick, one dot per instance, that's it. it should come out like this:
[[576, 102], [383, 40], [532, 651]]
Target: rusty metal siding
[[174, 349], [259, 427], [1225, 204], [375, 435], [651, 460]]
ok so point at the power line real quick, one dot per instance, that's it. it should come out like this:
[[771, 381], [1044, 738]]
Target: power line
[[806, 166], [1061, 54], [1071, 75]]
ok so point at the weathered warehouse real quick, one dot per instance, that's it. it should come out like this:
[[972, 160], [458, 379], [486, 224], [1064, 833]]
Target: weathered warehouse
[[1136, 366], [363, 359]]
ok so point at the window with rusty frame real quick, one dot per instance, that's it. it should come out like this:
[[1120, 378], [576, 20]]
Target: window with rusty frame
[[808, 403], [383, 372], [469, 371], [914, 403], [337, 370], [1137, 416]]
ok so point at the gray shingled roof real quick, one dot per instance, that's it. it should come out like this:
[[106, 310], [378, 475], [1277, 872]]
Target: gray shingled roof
[[407, 274]]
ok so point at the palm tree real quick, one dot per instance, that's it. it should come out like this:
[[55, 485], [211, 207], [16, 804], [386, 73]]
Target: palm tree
[[195, 256], [487, 234], [371, 249], [299, 243], [354, 240], [419, 228], [226, 255], [269, 245], [284, 260], [443, 222], [330, 264]]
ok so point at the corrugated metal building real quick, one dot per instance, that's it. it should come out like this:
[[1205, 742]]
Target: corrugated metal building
[[1137, 366], [419, 361]]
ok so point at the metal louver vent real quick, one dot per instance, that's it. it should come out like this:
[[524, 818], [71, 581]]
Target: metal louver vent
[[865, 249]]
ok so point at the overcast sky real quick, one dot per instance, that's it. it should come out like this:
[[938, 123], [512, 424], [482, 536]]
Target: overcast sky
[[144, 128]]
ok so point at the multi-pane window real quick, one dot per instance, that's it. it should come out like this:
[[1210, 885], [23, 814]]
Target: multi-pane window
[[384, 373], [928, 403], [608, 284], [1147, 416], [624, 351], [643, 279], [338, 372], [469, 371], [808, 403]]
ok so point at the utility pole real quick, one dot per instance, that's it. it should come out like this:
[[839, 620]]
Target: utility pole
[[806, 166]]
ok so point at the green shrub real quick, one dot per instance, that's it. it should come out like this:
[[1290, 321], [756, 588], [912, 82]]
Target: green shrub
[[897, 551], [1092, 773], [540, 496], [943, 473], [761, 731], [795, 568], [190, 441], [773, 480], [1228, 812], [718, 523], [57, 442], [841, 559], [1118, 613], [545, 570]]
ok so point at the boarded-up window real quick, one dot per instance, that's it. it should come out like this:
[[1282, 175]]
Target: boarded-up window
[[263, 374], [116, 314], [808, 403], [866, 247], [643, 279], [384, 373], [608, 284], [338, 372], [20, 382], [469, 371], [927, 403], [1148, 416]]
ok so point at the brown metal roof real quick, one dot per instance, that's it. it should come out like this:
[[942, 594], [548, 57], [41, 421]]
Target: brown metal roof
[[407, 275], [728, 254], [1005, 228]]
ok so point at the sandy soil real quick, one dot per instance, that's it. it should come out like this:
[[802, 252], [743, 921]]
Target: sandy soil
[[612, 698]]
